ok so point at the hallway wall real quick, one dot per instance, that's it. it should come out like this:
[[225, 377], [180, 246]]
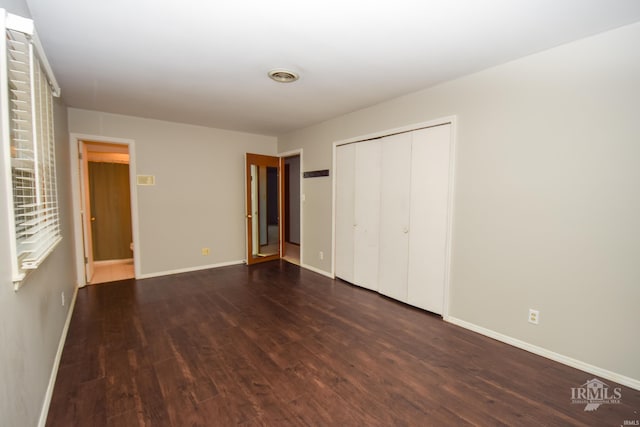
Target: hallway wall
[[198, 198]]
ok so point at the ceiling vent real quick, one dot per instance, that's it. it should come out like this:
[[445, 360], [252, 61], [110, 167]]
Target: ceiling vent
[[283, 76]]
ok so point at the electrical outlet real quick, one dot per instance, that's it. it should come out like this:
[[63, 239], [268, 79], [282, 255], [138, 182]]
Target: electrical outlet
[[62, 295], [205, 251], [534, 316], [321, 255]]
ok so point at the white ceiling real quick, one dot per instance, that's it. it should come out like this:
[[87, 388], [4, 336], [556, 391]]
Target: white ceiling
[[206, 62]]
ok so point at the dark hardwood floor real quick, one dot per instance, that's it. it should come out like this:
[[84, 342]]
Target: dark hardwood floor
[[277, 345]]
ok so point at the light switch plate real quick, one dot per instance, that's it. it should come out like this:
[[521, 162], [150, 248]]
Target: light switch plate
[[146, 180]]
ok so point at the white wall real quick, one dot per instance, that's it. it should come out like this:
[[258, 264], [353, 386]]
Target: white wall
[[547, 198], [32, 319], [198, 199]]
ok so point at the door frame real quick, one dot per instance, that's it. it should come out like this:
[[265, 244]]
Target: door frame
[[292, 153], [85, 203], [452, 120], [77, 180]]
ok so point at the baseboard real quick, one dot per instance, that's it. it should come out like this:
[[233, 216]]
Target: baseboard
[[56, 363], [317, 270], [540, 351], [114, 261], [189, 269]]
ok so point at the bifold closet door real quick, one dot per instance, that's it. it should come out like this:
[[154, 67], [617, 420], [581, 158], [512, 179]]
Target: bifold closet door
[[429, 215], [392, 199], [345, 211], [358, 213], [366, 214], [394, 215]]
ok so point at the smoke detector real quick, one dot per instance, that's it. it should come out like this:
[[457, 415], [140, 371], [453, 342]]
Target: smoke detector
[[283, 76]]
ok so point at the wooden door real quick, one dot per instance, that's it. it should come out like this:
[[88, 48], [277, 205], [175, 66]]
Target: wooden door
[[429, 217], [394, 215], [110, 202], [262, 197]]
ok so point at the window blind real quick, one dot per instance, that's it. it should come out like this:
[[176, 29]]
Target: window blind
[[36, 223]]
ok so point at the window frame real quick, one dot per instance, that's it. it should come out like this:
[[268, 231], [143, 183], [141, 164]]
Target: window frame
[[29, 163]]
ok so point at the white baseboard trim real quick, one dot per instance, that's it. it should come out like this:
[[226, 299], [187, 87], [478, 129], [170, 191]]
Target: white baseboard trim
[[317, 270], [189, 269], [574, 363], [221, 264], [56, 363]]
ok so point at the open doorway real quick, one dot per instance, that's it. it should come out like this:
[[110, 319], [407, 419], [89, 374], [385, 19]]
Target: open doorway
[[291, 209], [262, 195], [107, 219], [273, 205]]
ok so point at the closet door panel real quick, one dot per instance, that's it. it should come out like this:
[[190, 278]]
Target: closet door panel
[[394, 215], [367, 214], [429, 213], [345, 197]]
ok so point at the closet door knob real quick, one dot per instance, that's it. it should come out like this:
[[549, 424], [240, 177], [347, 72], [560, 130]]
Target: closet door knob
[[405, 230]]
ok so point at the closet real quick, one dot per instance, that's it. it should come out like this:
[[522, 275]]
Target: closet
[[392, 215]]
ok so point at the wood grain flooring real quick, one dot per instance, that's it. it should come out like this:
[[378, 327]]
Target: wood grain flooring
[[277, 345]]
